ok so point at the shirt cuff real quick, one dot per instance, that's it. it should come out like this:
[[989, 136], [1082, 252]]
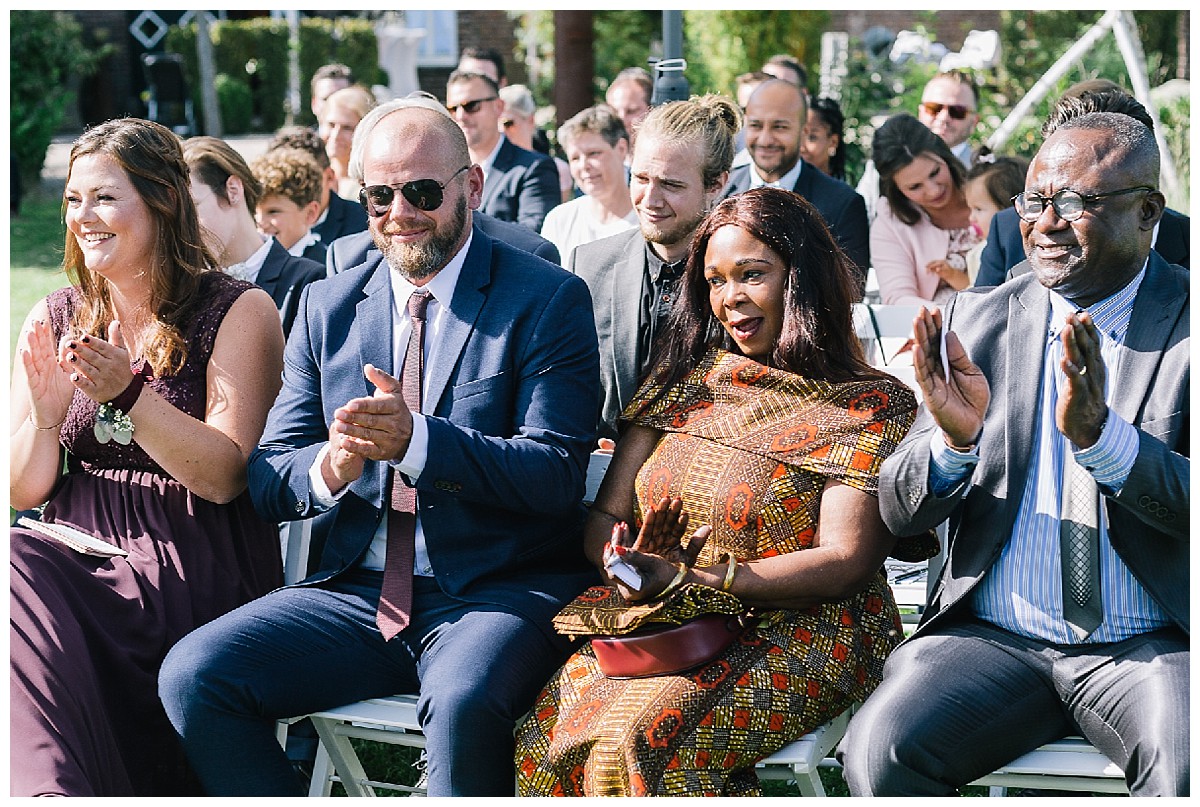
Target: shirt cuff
[[412, 464], [1111, 459], [320, 491], [947, 467]]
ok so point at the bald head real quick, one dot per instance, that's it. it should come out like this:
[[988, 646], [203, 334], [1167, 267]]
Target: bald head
[[775, 117], [418, 114]]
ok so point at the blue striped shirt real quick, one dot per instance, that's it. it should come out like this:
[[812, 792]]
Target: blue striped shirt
[[1022, 592]]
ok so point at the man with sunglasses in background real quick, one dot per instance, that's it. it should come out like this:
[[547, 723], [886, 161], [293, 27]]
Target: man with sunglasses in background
[[437, 412], [1054, 437], [949, 109], [519, 185]]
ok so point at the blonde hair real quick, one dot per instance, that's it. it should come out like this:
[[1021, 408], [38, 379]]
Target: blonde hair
[[711, 120], [356, 98]]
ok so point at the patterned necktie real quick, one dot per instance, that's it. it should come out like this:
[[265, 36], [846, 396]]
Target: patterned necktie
[[1079, 537], [395, 596]]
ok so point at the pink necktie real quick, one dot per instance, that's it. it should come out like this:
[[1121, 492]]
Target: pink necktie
[[395, 596]]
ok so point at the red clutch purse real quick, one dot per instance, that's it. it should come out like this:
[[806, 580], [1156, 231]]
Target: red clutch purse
[[667, 650]]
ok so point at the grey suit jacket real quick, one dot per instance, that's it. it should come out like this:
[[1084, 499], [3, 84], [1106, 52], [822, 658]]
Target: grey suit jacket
[[613, 269], [844, 211], [521, 186], [351, 250], [284, 277], [1148, 517], [510, 394]]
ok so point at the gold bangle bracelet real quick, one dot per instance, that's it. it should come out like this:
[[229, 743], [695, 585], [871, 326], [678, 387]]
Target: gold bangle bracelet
[[730, 572], [676, 581], [46, 428]]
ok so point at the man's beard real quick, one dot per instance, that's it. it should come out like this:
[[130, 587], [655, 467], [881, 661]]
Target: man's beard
[[417, 261], [678, 232]]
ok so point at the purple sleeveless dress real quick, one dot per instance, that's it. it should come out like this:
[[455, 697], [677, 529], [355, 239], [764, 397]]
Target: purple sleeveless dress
[[88, 634]]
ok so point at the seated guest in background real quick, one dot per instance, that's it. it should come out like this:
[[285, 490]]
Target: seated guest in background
[[775, 120], [922, 230], [518, 124], [1004, 254], [342, 112], [680, 165], [338, 216], [823, 142], [292, 188], [787, 68], [328, 79], [1056, 442], [226, 195], [630, 94], [487, 61], [747, 83], [949, 109], [448, 505], [151, 374], [989, 187], [519, 185], [596, 145], [786, 526]]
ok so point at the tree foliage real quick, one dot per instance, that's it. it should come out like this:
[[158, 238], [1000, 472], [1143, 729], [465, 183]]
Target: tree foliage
[[46, 52], [720, 45]]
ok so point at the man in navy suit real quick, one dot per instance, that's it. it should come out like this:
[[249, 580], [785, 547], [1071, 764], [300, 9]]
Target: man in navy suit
[[519, 185], [496, 460], [774, 125]]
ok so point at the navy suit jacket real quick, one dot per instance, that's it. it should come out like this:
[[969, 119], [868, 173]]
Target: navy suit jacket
[[1149, 524], [284, 277], [843, 209], [352, 250], [1005, 249], [510, 389], [342, 217], [521, 186]]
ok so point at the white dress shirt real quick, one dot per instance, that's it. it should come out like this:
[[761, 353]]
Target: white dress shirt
[[248, 269], [441, 290]]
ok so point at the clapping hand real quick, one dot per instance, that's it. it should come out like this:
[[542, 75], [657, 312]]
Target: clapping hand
[[658, 549], [957, 399], [50, 388], [98, 369], [1081, 409]]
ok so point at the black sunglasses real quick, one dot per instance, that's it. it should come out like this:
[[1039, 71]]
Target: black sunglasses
[[469, 107], [957, 111], [423, 194]]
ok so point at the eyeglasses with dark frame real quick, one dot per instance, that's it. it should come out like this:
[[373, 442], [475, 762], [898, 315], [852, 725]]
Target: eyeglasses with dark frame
[[470, 107], [1068, 204], [957, 111], [423, 194]]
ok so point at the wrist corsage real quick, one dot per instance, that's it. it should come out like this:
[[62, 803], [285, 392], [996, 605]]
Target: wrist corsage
[[112, 418]]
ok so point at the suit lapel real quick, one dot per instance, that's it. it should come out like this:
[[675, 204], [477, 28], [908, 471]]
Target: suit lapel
[[373, 321], [272, 268], [465, 306], [627, 277], [1155, 311]]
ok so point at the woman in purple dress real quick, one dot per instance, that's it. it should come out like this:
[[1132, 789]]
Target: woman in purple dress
[[154, 373]]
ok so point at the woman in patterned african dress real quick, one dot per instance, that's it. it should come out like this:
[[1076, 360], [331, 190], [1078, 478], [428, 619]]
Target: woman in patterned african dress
[[764, 427]]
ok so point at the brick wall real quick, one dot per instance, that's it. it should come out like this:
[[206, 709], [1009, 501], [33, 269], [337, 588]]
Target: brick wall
[[479, 29]]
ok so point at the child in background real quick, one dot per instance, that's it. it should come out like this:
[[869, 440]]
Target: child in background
[[991, 184], [290, 204]]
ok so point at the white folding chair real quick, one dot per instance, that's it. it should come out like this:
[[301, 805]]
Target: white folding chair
[[1071, 763]]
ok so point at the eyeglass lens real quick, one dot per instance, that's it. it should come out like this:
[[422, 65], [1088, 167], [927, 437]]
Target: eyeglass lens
[[957, 111], [469, 107], [423, 194]]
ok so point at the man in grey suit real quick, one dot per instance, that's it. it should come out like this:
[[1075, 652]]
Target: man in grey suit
[[774, 126], [680, 164], [1072, 377], [469, 498], [519, 185]]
